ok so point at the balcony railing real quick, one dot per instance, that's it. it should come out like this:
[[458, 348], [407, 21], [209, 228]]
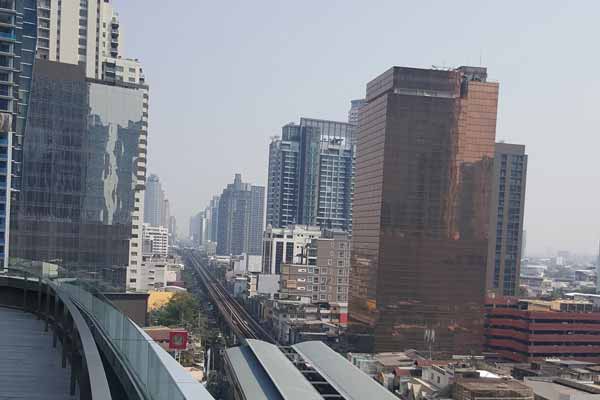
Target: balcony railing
[[155, 373]]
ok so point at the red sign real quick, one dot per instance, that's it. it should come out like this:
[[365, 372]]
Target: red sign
[[178, 340]]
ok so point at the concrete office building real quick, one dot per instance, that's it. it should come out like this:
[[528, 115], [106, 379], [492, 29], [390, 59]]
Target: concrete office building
[[241, 216], [153, 201], [155, 240], [165, 214], [354, 113], [506, 220], [421, 210], [323, 275], [287, 245], [311, 171], [172, 228], [198, 228]]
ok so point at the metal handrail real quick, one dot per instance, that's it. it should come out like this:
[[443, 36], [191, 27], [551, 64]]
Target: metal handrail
[[156, 373]]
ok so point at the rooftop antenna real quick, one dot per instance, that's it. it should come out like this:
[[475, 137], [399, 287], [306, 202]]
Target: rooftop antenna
[[480, 57]]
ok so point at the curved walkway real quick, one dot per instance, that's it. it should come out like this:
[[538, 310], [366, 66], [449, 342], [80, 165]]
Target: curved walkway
[[29, 366]]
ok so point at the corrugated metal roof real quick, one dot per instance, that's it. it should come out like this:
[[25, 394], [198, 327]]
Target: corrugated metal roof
[[348, 380], [290, 382], [252, 379]]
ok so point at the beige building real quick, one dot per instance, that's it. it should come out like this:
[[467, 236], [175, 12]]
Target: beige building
[[79, 31], [324, 276]]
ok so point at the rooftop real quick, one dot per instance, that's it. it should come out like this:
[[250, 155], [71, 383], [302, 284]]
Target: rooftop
[[497, 385], [263, 372], [348, 380]]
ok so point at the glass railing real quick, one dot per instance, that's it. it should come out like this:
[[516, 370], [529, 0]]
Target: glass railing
[[157, 373]]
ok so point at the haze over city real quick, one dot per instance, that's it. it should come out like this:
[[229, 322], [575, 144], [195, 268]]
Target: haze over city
[[299, 200], [252, 67]]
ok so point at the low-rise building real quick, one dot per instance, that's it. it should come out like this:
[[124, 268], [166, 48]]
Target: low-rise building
[[553, 388], [286, 245], [490, 388], [373, 364], [244, 264], [533, 330], [323, 276], [294, 321], [156, 273], [155, 240]]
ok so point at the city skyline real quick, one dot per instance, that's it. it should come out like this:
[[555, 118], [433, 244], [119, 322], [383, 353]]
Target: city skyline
[[531, 59]]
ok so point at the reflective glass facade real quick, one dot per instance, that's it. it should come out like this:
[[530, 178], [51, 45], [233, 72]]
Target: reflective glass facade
[[421, 210], [80, 172]]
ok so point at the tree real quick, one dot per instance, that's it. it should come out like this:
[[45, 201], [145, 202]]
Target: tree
[[181, 310]]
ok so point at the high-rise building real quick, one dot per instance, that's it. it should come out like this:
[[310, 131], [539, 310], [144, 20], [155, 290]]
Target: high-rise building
[[311, 172], [421, 210], [213, 219], [241, 217], [79, 141], [286, 245], [354, 113], [165, 215], [81, 194], [18, 33], [153, 201], [506, 219], [79, 32], [173, 228]]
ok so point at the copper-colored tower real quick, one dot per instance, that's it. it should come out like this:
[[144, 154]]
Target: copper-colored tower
[[421, 209]]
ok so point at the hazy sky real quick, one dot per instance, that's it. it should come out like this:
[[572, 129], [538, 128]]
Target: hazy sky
[[226, 75]]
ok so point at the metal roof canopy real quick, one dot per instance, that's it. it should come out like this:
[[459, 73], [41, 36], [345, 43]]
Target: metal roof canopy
[[346, 378], [250, 376], [290, 383]]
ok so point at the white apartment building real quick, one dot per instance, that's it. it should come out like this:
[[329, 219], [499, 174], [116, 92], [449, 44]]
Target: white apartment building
[[155, 240], [287, 246], [78, 31], [156, 273]]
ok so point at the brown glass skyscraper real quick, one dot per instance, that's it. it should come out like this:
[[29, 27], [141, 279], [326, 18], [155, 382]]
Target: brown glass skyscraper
[[421, 209]]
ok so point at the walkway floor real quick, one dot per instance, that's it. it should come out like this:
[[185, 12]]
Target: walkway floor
[[29, 366]]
